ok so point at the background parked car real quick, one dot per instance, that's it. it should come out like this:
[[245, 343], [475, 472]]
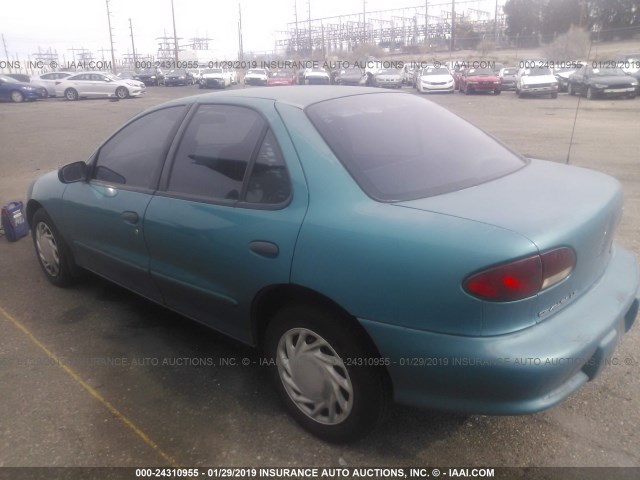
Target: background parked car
[[536, 81], [564, 71], [602, 82], [508, 78], [435, 79], [42, 88], [214, 78], [475, 80], [98, 85], [282, 77], [150, 76], [178, 76], [48, 80], [12, 89], [256, 76], [316, 76], [388, 78], [351, 76]]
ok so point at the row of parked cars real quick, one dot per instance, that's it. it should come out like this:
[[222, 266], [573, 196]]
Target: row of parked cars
[[71, 85]]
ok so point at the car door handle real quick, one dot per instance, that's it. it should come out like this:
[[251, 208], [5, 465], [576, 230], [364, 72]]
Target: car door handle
[[130, 217], [265, 249]]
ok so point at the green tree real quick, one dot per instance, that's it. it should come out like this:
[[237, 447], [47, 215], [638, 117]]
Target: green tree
[[558, 16], [524, 20], [614, 18]]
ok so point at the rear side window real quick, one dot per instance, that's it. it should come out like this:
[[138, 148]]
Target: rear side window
[[400, 147], [215, 152]]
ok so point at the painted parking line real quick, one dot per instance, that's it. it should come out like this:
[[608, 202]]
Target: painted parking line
[[119, 415]]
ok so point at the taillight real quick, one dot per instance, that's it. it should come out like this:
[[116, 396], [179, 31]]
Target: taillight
[[521, 278]]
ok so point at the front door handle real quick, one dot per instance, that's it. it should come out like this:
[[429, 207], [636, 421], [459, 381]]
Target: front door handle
[[130, 217], [265, 249]]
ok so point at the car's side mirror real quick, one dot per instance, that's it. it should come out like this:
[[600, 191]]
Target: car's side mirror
[[72, 173]]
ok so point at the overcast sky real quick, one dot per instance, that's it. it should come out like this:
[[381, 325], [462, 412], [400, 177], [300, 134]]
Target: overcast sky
[[64, 24]]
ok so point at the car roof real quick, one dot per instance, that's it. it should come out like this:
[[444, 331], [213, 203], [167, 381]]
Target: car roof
[[296, 96]]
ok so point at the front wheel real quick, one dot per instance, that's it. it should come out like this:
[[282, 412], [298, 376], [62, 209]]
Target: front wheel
[[122, 93], [53, 254], [17, 97], [319, 365]]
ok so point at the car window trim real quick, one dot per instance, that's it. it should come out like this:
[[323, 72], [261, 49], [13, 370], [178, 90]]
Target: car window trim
[[167, 147], [163, 186]]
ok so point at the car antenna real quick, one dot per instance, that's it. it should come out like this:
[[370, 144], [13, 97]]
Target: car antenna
[[575, 118]]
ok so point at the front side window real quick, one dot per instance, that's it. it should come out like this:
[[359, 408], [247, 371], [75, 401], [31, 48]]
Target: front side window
[[135, 155]]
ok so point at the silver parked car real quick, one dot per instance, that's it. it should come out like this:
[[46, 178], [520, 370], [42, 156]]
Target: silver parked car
[[99, 85], [389, 78]]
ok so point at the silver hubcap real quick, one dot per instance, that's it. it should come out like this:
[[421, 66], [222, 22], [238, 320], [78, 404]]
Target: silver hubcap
[[47, 249], [314, 376], [16, 96]]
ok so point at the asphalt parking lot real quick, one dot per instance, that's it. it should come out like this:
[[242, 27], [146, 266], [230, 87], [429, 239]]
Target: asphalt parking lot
[[142, 386]]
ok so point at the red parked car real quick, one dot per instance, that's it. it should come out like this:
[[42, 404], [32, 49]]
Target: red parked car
[[479, 80], [282, 77]]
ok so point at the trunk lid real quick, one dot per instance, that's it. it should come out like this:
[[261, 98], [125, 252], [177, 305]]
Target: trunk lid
[[552, 205]]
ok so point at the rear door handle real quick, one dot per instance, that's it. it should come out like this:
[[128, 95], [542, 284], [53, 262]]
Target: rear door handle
[[130, 217], [265, 249]]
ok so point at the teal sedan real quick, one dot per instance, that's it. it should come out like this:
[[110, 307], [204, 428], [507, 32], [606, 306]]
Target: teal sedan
[[371, 257]]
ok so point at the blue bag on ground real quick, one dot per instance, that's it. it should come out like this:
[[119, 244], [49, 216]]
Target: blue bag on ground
[[14, 222]]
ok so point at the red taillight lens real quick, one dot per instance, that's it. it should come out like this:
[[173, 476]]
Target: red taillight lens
[[521, 278]]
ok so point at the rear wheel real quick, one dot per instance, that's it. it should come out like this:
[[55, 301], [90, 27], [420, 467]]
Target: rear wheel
[[53, 254], [320, 371], [70, 94]]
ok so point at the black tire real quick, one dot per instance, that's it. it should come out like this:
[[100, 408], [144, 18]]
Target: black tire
[[497, 91], [122, 93], [53, 253], [71, 94], [570, 89], [467, 90], [554, 95], [341, 339], [520, 94], [590, 95], [16, 96]]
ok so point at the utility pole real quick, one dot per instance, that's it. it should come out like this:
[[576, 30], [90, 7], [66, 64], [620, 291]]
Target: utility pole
[[240, 47], [310, 44], [453, 24], [133, 45], [495, 24], [295, 12], [175, 35], [426, 21], [364, 20], [113, 55], [6, 54]]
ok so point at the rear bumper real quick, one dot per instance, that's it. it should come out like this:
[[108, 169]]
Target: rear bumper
[[523, 372]]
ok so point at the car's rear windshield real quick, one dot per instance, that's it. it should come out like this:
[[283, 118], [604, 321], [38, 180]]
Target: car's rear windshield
[[401, 147]]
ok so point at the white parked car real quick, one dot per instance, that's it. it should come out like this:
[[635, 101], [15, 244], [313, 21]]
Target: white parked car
[[256, 76], [215, 78], [98, 84], [435, 79], [536, 81], [48, 81], [388, 78], [317, 76]]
